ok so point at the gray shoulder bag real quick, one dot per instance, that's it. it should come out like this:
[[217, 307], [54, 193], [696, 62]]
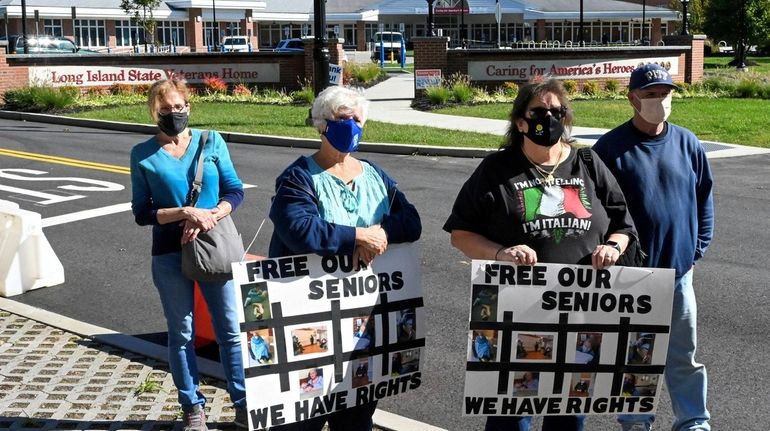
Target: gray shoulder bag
[[209, 256]]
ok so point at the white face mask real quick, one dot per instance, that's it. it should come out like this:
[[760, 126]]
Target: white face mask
[[656, 110]]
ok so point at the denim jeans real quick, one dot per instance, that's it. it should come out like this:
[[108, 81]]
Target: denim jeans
[[685, 378], [521, 423], [176, 296]]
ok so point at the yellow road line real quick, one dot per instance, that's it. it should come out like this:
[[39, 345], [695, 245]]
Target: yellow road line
[[65, 161]]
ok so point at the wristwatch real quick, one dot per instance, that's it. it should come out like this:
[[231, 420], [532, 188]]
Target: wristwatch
[[614, 245]]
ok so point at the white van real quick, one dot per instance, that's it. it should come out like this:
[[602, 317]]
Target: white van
[[234, 44], [391, 41]]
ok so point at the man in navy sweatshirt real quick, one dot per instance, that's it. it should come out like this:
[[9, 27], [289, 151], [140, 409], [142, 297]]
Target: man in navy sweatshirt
[[665, 176]]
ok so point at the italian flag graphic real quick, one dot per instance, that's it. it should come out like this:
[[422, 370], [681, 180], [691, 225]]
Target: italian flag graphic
[[553, 201]]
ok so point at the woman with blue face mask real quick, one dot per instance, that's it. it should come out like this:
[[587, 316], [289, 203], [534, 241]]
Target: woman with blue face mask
[[331, 203]]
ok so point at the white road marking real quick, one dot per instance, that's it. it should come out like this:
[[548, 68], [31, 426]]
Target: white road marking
[[97, 212]]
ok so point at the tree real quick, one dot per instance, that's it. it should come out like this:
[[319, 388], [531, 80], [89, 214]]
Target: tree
[[696, 9], [141, 13], [740, 23]]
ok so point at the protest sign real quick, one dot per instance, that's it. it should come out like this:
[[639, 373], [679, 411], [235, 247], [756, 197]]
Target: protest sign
[[566, 339], [319, 336]]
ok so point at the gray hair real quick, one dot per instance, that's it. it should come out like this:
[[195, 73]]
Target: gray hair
[[337, 102]]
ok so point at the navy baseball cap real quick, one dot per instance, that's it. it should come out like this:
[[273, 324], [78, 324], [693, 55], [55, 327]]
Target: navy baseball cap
[[650, 74]]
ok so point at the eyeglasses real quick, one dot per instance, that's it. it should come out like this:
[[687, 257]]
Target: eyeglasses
[[538, 113], [175, 108]]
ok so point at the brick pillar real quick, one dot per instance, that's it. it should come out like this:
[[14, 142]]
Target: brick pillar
[[693, 59], [539, 30], [247, 25], [109, 27], [336, 54], [655, 31], [194, 30], [12, 77], [360, 36], [430, 53]]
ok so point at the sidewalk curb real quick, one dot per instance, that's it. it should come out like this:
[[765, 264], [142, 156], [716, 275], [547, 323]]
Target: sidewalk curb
[[254, 139], [382, 419]]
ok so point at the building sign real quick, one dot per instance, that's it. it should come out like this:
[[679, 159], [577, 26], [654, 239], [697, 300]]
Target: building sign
[[320, 335], [87, 76], [579, 68], [424, 78], [566, 339]]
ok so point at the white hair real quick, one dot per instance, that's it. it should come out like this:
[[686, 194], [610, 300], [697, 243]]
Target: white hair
[[338, 102]]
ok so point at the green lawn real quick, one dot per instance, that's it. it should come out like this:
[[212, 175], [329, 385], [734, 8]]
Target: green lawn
[[290, 121], [737, 121], [720, 62]]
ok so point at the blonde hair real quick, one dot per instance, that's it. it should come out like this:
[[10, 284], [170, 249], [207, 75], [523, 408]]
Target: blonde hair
[[160, 89], [335, 103]]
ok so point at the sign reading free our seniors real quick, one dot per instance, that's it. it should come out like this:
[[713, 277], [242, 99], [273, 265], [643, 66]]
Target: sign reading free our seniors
[[566, 339], [320, 336]]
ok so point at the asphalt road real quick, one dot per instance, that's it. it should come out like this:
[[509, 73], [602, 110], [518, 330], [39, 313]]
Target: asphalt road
[[106, 260]]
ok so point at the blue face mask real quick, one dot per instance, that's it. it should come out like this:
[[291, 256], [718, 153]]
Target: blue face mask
[[343, 134]]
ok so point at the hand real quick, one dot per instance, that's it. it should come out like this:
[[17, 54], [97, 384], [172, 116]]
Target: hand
[[362, 255], [519, 254], [604, 256], [203, 219], [189, 231], [372, 238]]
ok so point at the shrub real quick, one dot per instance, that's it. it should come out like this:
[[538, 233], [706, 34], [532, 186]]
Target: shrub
[[511, 89], [570, 86], [305, 94], [590, 88], [364, 72], [438, 95], [142, 89], [97, 91], [612, 85], [748, 88], [215, 85], [241, 90], [40, 99], [462, 92], [119, 89]]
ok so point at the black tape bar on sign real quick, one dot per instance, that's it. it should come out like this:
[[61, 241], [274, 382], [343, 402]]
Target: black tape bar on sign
[[561, 352], [547, 367], [505, 352], [384, 368], [620, 354], [278, 332], [573, 327], [337, 337]]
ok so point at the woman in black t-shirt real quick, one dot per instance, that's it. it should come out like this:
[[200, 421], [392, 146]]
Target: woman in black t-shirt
[[540, 199]]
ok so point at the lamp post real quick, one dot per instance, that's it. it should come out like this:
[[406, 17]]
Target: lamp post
[[320, 51], [24, 26], [463, 34], [431, 30], [215, 30], [644, 10], [741, 64], [581, 40], [685, 21]]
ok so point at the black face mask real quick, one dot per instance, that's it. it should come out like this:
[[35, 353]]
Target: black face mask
[[173, 123], [544, 131]]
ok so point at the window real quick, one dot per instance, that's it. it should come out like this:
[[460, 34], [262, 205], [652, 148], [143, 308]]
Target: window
[[349, 34], [232, 28], [52, 27], [269, 35], [90, 33], [128, 33], [171, 33]]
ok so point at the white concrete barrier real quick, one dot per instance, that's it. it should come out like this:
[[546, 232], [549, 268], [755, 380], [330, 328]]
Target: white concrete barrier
[[27, 260]]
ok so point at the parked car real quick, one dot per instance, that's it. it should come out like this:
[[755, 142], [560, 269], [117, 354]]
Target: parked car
[[45, 45], [290, 45], [234, 44], [391, 42]]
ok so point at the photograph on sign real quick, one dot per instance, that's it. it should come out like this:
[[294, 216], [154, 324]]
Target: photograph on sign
[[555, 339], [483, 346], [261, 347], [321, 335], [256, 306]]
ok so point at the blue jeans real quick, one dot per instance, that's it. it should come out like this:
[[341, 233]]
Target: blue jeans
[[685, 378], [521, 423], [176, 296]]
